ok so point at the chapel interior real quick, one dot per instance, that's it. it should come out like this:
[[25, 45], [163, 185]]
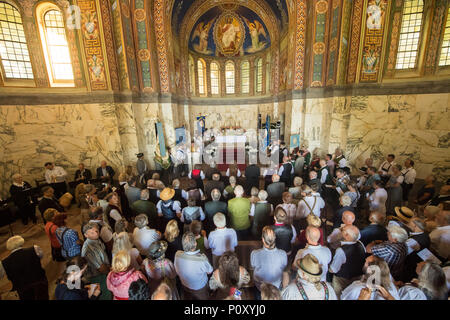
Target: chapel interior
[[86, 81]]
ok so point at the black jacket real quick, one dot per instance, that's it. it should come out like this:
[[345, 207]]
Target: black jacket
[[108, 169], [373, 232], [87, 174]]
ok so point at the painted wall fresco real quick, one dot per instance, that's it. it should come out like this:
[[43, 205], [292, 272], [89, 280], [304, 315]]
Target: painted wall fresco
[[229, 33]]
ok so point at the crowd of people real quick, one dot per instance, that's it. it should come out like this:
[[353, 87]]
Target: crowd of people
[[324, 233]]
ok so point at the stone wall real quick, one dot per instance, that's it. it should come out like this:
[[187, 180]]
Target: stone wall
[[415, 126]]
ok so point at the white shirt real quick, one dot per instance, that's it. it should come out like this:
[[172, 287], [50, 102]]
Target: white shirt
[[410, 292], [59, 173], [352, 292], [339, 257], [143, 239], [324, 175], [322, 253], [377, 200], [291, 292], [410, 175], [281, 170], [342, 163], [387, 166], [303, 210], [222, 240], [268, 266], [269, 172], [440, 241], [238, 174]]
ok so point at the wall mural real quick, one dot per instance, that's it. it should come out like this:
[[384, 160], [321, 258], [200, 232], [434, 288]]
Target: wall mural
[[227, 33], [373, 40]]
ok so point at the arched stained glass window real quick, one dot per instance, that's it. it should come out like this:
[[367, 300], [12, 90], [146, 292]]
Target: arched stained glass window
[[215, 75], [201, 70], [229, 77], [245, 77]]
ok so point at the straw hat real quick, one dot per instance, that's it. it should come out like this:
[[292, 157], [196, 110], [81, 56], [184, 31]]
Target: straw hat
[[310, 265], [167, 194], [404, 213]]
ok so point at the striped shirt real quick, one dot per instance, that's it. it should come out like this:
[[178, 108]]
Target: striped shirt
[[394, 253]]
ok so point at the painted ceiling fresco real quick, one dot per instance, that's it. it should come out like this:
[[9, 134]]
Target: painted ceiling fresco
[[227, 33], [180, 8]]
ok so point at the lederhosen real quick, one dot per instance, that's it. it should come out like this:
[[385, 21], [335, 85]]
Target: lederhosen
[[305, 296], [406, 187], [385, 178]]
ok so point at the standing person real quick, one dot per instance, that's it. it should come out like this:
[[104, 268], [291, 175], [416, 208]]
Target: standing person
[[261, 213], [239, 213], [113, 212], [330, 163], [289, 207], [353, 193], [198, 175], [375, 230], [122, 275], [168, 208], [310, 204], [122, 243], [180, 194], [268, 263], [417, 241], [98, 262], [173, 237], [229, 276], [68, 238], [252, 173], [180, 160], [23, 268], [394, 189], [299, 164], [141, 167], [212, 207], [215, 183], [322, 253], [348, 260], [82, 174], [222, 239], [386, 167], [191, 212], [286, 171], [313, 221], [56, 177], [440, 237], [133, 193], [409, 175], [143, 236], [340, 161], [377, 200], [50, 230], [144, 206], [228, 192], [159, 269], [268, 174], [275, 190], [105, 173], [393, 251], [324, 174], [285, 233], [193, 269], [21, 195], [308, 284]]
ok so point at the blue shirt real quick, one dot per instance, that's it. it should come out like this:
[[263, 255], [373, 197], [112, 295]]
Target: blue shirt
[[268, 266], [193, 269], [69, 246]]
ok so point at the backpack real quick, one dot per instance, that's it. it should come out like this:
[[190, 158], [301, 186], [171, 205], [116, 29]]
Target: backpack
[[168, 211]]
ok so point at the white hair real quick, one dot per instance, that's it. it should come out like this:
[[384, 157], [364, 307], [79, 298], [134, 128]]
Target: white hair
[[16, 176], [141, 221], [238, 191], [346, 201], [398, 233], [219, 220], [263, 195], [313, 174]]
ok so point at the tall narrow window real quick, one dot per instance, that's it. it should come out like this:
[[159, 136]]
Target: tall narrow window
[[259, 75], [408, 46], [229, 77], [245, 77], [215, 78], [201, 70], [268, 70], [444, 59], [13, 45], [56, 48], [191, 74]]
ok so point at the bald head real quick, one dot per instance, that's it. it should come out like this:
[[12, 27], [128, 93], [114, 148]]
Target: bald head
[[275, 178], [350, 233], [348, 217], [216, 177], [312, 235]]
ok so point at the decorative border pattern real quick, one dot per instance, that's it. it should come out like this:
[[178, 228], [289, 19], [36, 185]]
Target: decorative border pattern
[[300, 40], [120, 52], [372, 48], [161, 45], [128, 43], [334, 43], [435, 38], [355, 40], [320, 39], [344, 43], [93, 45], [110, 51], [394, 38]]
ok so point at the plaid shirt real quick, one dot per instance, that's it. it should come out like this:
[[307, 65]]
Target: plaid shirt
[[69, 246], [393, 253]]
